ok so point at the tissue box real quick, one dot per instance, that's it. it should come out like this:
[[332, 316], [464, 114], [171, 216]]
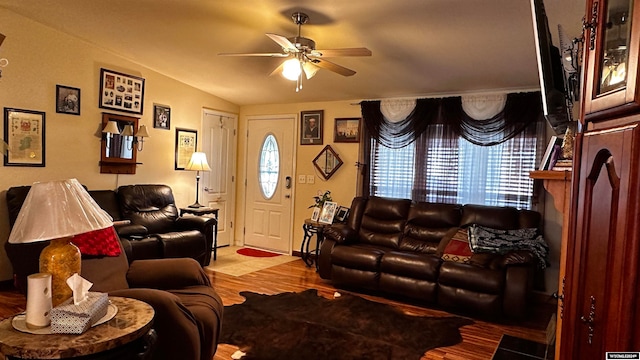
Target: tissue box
[[68, 318]]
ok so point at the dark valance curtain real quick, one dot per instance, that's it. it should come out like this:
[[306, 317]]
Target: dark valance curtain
[[520, 111], [402, 133]]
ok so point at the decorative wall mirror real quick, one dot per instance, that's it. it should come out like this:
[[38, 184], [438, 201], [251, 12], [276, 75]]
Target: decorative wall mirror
[[327, 162], [118, 148]]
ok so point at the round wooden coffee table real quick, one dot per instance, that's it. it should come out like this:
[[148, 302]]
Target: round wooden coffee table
[[132, 323]]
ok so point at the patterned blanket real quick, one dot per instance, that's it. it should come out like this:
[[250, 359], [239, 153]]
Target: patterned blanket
[[487, 240]]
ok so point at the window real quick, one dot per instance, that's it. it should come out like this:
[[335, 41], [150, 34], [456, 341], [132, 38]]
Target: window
[[438, 168], [269, 166]]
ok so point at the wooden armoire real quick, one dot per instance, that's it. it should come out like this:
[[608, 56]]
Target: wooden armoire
[[601, 302]]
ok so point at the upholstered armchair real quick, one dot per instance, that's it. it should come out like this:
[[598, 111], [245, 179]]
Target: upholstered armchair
[[153, 208], [188, 315]]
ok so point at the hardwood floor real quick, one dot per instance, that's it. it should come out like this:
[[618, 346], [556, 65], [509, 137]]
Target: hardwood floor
[[479, 340]]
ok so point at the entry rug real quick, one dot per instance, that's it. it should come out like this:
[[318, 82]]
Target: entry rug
[[307, 326], [255, 253], [229, 262]]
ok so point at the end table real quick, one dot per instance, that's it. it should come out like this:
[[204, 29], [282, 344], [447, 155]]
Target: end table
[[201, 211], [311, 228], [125, 336]]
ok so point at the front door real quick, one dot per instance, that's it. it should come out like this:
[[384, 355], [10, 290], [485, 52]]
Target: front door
[[218, 185], [270, 168]]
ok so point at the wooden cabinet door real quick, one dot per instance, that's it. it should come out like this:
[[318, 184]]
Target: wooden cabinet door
[[611, 59], [602, 263]]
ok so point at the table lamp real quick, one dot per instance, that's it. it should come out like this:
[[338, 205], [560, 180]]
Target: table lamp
[[198, 163], [57, 211]]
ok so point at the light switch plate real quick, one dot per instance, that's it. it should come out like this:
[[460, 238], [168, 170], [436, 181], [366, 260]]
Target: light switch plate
[[301, 179], [311, 179]]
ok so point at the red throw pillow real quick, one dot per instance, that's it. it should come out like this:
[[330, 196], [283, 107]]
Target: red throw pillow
[[102, 242], [458, 249]]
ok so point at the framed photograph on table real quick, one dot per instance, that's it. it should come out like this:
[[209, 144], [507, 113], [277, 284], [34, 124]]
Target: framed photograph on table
[[161, 117], [24, 135], [316, 214], [186, 144], [347, 130], [121, 92], [328, 212], [342, 213], [311, 124], [67, 100]]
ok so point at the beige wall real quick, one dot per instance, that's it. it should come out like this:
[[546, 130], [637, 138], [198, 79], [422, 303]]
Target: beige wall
[[342, 184], [39, 58]]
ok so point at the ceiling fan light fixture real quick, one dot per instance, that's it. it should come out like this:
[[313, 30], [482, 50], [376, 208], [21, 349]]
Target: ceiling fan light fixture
[[291, 69], [309, 69]]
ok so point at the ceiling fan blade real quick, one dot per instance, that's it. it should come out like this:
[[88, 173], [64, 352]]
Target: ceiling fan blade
[[325, 64], [283, 42], [1, 38], [254, 54], [342, 52], [309, 69]]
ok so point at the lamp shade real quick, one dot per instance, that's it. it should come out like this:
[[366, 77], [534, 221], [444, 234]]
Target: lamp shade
[[128, 131], [57, 209], [142, 131], [198, 162], [291, 69], [111, 128]]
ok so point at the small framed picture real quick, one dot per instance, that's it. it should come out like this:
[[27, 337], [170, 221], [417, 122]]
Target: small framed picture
[[311, 124], [342, 213], [347, 130], [161, 117], [316, 214], [328, 212], [67, 100]]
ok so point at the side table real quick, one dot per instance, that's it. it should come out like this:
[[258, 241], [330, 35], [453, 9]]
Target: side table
[[205, 211], [128, 335], [311, 228]]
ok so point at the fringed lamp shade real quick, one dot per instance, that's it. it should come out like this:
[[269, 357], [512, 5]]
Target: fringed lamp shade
[[57, 211]]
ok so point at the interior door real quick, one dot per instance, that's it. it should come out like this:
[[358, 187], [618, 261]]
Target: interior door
[[269, 186], [219, 143]]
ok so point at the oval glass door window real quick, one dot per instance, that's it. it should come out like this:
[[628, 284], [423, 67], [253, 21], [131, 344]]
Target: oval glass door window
[[269, 166]]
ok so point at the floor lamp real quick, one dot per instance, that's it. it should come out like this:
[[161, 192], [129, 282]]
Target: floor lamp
[[198, 163]]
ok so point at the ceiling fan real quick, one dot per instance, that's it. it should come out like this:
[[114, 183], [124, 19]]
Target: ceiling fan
[[304, 58]]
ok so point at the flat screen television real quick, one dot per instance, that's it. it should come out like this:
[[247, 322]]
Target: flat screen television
[[556, 103]]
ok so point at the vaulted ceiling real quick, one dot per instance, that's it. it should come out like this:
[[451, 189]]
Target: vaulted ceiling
[[420, 47]]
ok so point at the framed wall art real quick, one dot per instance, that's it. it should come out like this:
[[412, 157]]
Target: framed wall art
[[121, 92], [67, 100], [161, 117], [311, 124], [186, 144], [347, 130], [24, 134]]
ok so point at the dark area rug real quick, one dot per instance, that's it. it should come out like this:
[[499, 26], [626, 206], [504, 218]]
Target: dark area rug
[[307, 326]]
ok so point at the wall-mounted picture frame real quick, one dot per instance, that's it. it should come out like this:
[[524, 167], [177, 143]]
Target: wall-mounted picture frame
[[24, 133], [161, 117], [315, 214], [342, 213], [121, 92], [347, 130], [186, 144], [67, 100], [328, 212], [311, 125]]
